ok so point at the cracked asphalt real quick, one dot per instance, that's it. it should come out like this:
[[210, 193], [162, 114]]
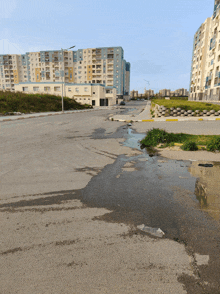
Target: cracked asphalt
[[72, 195]]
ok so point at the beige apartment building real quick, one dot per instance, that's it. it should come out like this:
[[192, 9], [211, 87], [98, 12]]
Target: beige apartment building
[[164, 93], [149, 93], [205, 69], [97, 66]]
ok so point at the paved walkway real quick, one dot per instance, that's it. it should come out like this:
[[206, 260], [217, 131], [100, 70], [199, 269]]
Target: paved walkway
[[145, 116], [134, 115]]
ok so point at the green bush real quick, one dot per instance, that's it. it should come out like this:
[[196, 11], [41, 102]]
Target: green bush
[[26, 103], [189, 146], [214, 145], [157, 136]]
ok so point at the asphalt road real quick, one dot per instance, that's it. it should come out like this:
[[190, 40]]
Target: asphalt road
[[72, 195]]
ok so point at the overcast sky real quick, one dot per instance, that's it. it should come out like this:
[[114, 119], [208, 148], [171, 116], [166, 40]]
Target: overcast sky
[[157, 36]]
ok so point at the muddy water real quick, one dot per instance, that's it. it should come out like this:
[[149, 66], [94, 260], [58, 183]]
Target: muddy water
[[183, 199]]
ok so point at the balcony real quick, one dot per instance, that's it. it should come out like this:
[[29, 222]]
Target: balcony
[[110, 56]]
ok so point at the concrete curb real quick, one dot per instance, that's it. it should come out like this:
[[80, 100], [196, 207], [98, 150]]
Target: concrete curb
[[35, 115], [169, 119]]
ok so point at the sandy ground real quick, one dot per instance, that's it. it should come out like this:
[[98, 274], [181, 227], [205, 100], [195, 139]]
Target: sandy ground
[[188, 155]]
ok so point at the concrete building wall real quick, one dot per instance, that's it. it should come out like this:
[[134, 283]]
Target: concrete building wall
[[83, 93], [104, 65], [205, 70]]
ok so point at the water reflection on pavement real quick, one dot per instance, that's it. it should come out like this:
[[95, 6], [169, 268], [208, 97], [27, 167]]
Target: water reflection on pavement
[[207, 188]]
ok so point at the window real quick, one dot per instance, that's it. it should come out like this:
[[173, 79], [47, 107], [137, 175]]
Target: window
[[56, 89], [93, 92], [46, 89], [69, 90], [24, 89], [86, 89], [77, 90], [35, 88]]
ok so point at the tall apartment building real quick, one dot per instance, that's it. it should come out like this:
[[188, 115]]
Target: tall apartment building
[[164, 92], [105, 66], [149, 93], [205, 69]]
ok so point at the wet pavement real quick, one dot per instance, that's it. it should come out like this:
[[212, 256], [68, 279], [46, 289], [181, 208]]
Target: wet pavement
[[179, 197], [166, 194]]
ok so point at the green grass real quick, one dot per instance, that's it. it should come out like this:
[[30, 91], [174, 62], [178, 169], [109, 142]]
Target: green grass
[[189, 146], [185, 104], [157, 136], [26, 103]]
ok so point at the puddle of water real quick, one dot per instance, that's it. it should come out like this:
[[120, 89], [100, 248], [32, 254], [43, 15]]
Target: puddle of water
[[133, 139], [203, 182], [207, 188]]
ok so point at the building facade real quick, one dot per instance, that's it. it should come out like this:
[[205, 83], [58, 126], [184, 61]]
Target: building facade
[[105, 66], [149, 93], [92, 94], [164, 93], [205, 69]]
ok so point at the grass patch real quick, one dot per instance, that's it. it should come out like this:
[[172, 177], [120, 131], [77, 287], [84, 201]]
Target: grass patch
[[214, 144], [189, 146], [26, 103], [185, 104], [157, 136]]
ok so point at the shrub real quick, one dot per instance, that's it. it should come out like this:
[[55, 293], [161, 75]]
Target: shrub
[[156, 136], [189, 146], [214, 144]]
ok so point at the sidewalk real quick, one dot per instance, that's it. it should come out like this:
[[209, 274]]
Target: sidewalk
[[133, 115], [44, 114], [145, 116]]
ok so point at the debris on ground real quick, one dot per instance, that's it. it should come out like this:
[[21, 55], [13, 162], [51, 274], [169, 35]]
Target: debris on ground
[[206, 164], [157, 232]]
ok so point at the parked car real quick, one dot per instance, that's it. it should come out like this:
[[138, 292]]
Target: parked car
[[122, 103]]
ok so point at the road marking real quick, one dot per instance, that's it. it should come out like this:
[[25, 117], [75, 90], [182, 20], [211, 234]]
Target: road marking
[[145, 120], [217, 118], [200, 119], [172, 119]]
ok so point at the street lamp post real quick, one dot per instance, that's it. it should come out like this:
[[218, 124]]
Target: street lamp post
[[62, 73]]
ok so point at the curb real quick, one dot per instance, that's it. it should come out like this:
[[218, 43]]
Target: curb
[[49, 114], [167, 120]]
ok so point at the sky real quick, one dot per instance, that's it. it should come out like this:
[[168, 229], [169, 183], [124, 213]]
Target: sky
[[157, 36]]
